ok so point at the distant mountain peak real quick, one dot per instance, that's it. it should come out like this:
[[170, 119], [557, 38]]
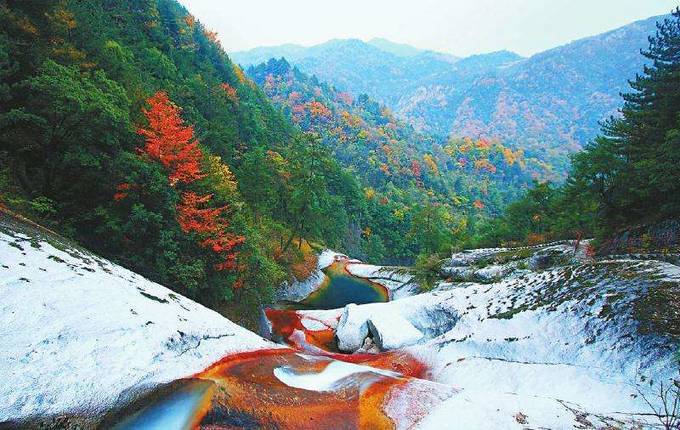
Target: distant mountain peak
[[398, 49], [490, 59]]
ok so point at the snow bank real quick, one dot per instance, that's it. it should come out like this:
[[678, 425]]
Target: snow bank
[[82, 335], [328, 257], [398, 284], [566, 343]]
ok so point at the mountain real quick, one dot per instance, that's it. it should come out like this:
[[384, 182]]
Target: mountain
[[263, 53], [143, 141], [400, 169], [398, 49], [360, 67], [146, 143], [487, 61], [548, 104]]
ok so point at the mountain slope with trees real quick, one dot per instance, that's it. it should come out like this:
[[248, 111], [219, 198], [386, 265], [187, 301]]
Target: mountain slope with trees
[[625, 183], [548, 104], [125, 126], [372, 68], [423, 195]]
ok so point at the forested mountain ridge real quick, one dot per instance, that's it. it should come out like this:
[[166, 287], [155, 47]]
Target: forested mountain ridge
[[548, 104], [358, 67], [125, 126], [623, 187], [408, 177]]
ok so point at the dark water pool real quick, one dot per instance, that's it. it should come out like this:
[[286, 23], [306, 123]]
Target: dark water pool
[[341, 288]]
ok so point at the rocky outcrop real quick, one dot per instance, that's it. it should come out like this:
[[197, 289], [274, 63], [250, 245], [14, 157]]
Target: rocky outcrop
[[393, 332], [494, 264]]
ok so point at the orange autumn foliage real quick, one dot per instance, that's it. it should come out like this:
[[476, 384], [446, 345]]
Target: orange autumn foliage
[[169, 141], [483, 144], [305, 266], [485, 164], [190, 20], [194, 215], [535, 239], [230, 92], [122, 191], [211, 36], [318, 109]]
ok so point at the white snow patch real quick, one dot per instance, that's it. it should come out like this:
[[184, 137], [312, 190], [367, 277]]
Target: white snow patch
[[392, 331], [313, 324], [328, 257], [560, 336], [409, 403], [398, 284], [81, 334], [331, 378]]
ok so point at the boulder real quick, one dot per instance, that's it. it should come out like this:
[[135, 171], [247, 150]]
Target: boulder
[[392, 331], [352, 329]]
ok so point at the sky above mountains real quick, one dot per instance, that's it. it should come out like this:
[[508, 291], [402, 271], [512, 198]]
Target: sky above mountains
[[459, 27]]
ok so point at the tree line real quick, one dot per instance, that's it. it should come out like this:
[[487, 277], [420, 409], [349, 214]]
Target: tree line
[[626, 177]]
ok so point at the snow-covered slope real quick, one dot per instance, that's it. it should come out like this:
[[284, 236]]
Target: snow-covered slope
[[81, 335], [89, 344], [550, 340]]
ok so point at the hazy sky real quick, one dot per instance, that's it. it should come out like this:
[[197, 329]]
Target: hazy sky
[[460, 27]]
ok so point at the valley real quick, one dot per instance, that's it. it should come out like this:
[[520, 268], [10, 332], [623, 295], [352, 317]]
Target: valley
[[352, 234], [510, 342]]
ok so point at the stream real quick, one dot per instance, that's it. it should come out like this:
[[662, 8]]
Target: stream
[[340, 288], [305, 384]]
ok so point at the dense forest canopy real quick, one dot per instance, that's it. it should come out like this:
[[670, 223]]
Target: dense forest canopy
[[127, 127], [404, 174]]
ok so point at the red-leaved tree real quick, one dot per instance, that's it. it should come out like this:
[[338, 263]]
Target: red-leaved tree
[[173, 144], [170, 142], [194, 215]]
